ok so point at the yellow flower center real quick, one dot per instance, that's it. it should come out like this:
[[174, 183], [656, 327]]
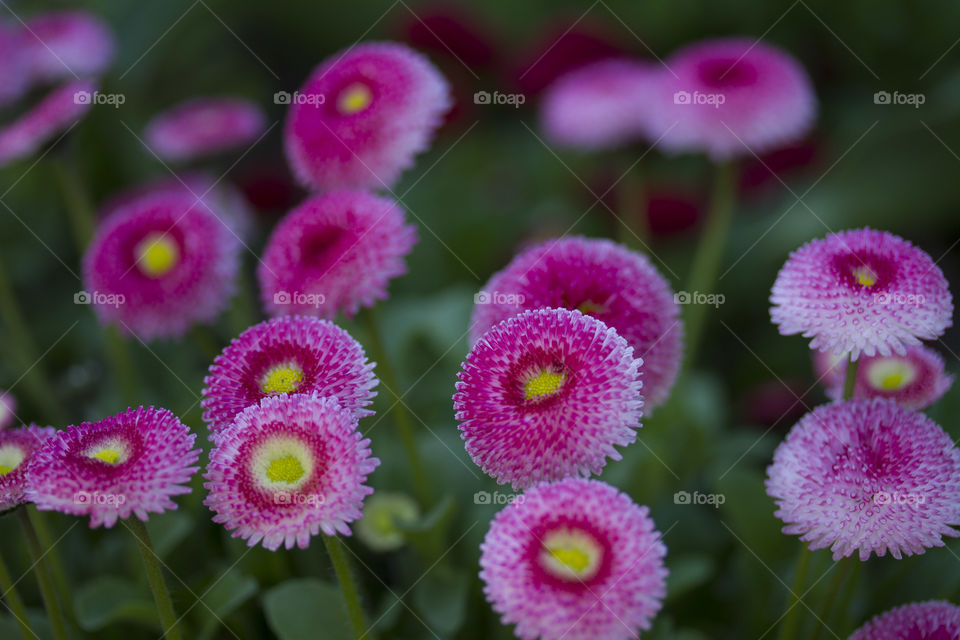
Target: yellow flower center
[[109, 455], [157, 255], [286, 469], [589, 308], [571, 555], [10, 459], [866, 276], [354, 99], [891, 374], [575, 559], [544, 384], [282, 379]]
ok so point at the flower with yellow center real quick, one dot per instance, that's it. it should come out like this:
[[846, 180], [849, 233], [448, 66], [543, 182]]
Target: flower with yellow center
[[866, 276], [157, 254], [891, 374], [282, 463], [545, 383], [571, 555], [283, 378], [354, 99], [10, 458], [112, 452]]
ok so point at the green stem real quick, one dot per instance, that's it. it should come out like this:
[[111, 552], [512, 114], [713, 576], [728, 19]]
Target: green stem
[[400, 411], [12, 598], [50, 600], [121, 361], [634, 229], [833, 591], [789, 627], [706, 262], [341, 566], [850, 589], [161, 595], [850, 380], [80, 211], [35, 382], [59, 575]]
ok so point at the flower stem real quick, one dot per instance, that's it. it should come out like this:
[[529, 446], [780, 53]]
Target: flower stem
[[833, 591], [341, 566], [400, 411], [706, 262], [634, 227], [850, 380], [789, 627], [850, 589], [121, 361], [50, 600], [39, 522], [15, 604], [161, 595], [80, 211]]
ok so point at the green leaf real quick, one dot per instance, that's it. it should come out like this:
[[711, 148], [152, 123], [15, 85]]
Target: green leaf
[[687, 573], [441, 598], [168, 530], [107, 600], [223, 598], [306, 609]]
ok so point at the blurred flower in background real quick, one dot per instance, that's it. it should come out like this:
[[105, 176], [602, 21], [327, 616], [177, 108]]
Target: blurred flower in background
[[204, 126], [17, 449]]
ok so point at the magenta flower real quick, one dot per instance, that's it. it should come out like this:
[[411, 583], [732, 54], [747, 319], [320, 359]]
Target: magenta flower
[[602, 279], [546, 395], [8, 409], [916, 379], [160, 265], [861, 291], [291, 354], [576, 560], [362, 116], [204, 126], [129, 464], [867, 476], [917, 621], [730, 97], [17, 449], [67, 44], [288, 468], [56, 112], [335, 252], [599, 105]]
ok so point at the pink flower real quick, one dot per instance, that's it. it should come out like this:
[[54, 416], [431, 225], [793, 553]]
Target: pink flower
[[546, 395], [362, 116], [867, 476], [604, 280], [17, 449], [160, 265], [291, 354], [599, 105], [916, 379], [8, 409], [66, 44], [129, 464], [14, 67], [56, 112], [730, 97], [288, 468], [861, 291], [576, 560], [204, 126], [917, 621], [334, 253]]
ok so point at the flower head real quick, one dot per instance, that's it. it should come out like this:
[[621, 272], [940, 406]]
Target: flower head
[[576, 560], [917, 621], [161, 264], [335, 252], [604, 280], [291, 354], [17, 448], [57, 111], [131, 463], [382, 514], [67, 44], [288, 468], [598, 105], [204, 126], [546, 395], [861, 291], [867, 476], [362, 116], [916, 379], [730, 97], [8, 409]]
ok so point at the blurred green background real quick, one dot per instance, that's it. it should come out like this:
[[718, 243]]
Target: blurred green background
[[488, 185]]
